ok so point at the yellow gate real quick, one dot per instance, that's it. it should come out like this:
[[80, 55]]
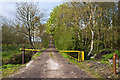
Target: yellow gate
[[79, 53]]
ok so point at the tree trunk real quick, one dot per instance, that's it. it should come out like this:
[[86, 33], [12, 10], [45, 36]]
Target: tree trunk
[[33, 37], [119, 13], [98, 40], [82, 39], [92, 41], [30, 39], [86, 38], [118, 30]]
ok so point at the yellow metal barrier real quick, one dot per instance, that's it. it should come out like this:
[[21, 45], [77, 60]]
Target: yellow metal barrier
[[23, 54], [30, 49], [79, 52], [82, 55], [70, 56]]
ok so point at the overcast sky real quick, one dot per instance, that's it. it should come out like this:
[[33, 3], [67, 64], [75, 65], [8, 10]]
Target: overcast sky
[[8, 9]]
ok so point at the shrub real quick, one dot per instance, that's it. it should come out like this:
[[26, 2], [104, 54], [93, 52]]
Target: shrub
[[8, 66], [118, 53], [5, 61], [107, 56], [17, 59], [110, 56]]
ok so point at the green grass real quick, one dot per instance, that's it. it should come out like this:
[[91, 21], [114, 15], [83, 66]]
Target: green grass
[[7, 55], [51, 55], [36, 55], [9, 50], [10, 69], [65, 56], [43, 48]]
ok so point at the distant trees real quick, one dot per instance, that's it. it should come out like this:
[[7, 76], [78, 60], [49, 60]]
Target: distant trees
[[10, 34], [88, 26]]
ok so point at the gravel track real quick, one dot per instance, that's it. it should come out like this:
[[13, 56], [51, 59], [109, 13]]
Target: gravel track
[[46, 66]]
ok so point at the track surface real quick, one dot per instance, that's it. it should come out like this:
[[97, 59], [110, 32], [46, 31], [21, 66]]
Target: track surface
[[50, 65]]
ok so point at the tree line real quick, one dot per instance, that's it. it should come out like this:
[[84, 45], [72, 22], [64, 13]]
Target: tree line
[[85, 26]]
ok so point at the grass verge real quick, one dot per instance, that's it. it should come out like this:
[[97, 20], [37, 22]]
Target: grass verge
[[51, 55], [81, 66], [36, 55], [10, 69]]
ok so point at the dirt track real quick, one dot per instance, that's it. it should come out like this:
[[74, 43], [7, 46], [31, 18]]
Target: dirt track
[[50, 65]]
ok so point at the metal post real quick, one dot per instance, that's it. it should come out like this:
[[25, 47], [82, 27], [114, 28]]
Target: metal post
[[114, 63], [23, 56], [82, 56], [78, 56]]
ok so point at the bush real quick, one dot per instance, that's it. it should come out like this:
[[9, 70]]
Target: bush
[[5, 61], [118, 53], [107, 56], [17, 59], [8, 66], [110, 56]]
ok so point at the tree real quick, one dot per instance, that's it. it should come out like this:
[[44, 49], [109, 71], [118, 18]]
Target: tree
[[29, 16], [88, 26]]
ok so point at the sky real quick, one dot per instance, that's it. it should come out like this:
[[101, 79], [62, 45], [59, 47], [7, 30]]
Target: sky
[[8, 9]]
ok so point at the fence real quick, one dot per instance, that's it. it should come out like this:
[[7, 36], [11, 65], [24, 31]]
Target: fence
[[79, 53]]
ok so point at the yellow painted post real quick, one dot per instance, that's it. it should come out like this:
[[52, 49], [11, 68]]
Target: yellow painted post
[[78, 57], [82, 56]]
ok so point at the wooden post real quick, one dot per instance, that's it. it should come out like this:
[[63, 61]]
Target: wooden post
[[114, 63], [23, 55]]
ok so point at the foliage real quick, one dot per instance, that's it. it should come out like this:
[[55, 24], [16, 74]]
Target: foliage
[[12, 55], [10, 69], [10, 35], [110, 56], [9, 50], [86, 26], [24, 29], [17, 58]]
